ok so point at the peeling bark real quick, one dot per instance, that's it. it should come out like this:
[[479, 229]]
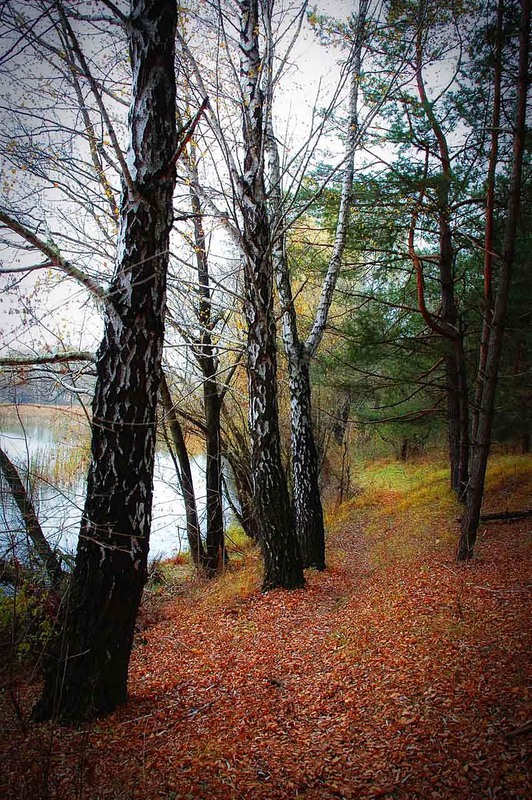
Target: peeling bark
[[87, 671], [305, 468], [282, 562], [305, 465]]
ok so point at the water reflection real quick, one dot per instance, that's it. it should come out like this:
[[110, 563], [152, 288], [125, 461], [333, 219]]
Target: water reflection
[[59, 503]]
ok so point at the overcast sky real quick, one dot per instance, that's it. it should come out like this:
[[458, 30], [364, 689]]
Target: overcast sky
[[64, 310]]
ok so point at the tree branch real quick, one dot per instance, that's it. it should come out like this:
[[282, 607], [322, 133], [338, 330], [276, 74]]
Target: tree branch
[[124, 19], [54, 257], [52, 358], [31, 522], [98, 97], [442, 329], [342, 224], [187, 131]]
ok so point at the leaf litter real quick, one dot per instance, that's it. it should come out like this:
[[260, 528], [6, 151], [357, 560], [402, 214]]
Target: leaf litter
[[403, 680]]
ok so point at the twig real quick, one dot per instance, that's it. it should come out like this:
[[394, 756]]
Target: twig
[[522, 729], [187, 132]]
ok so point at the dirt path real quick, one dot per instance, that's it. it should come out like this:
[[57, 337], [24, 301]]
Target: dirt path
[[398, 681]]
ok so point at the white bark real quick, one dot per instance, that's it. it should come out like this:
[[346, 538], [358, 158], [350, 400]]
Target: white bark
[[342, 224], [307, 502]]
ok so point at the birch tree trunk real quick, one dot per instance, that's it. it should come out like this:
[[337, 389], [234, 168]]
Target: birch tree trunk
[[488, 379], [282, 562], [87, 672], [305, 466], [307, 500]]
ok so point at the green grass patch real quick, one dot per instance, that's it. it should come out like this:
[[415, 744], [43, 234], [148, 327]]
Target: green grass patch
[[411, 509]]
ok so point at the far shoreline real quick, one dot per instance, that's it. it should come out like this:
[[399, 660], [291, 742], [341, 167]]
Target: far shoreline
[[51, 412]]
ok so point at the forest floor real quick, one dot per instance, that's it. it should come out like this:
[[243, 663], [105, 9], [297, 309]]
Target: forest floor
[[394, 674]]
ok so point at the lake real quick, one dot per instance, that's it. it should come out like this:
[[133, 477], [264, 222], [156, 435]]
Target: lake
[[53, 451]]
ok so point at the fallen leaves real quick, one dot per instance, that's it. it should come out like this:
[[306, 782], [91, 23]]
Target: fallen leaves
[[400, 682]]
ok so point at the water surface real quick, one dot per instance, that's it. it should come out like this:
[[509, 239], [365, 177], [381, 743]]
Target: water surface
[[59, 499]]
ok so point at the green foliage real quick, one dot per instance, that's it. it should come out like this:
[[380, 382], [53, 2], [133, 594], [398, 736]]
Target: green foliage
[[382, 352], [384, 357], [27, 620]]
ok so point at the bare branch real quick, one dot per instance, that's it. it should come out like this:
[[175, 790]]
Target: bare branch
[[187, 132], [98, 97], [51, 358], [124, 19], [54, 257]]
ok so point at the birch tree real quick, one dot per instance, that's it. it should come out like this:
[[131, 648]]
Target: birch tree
[[278, 540], [87, 671], [84, 179], [239, 202], [307, 500], [235, 216]]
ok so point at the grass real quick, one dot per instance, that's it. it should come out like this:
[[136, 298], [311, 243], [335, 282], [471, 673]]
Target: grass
[[410, 509], [240, 578], [64, 465], [57, 417], [62, 460], [177, 576], [508, 482]]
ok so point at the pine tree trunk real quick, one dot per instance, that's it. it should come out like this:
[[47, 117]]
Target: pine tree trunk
[[488, 374], [87, 673], [457, 416], [455, 363], [282, 562], [462, 474]]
